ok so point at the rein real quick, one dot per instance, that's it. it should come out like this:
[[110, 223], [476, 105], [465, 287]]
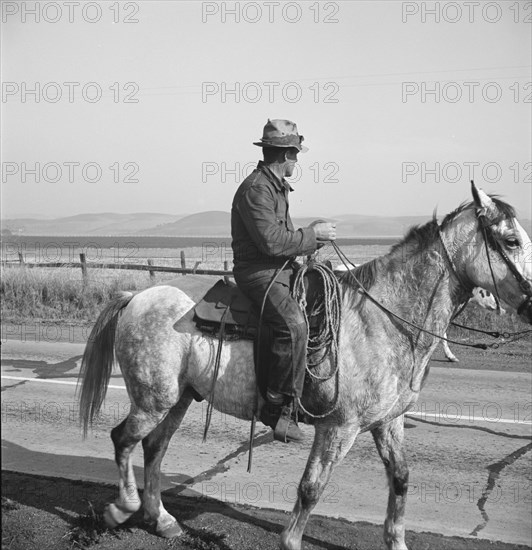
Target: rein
[[488, 238], [343, 257]]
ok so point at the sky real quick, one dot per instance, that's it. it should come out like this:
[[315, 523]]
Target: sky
[[400, 103]]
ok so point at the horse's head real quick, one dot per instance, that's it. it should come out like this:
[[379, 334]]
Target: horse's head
[[489, 226]]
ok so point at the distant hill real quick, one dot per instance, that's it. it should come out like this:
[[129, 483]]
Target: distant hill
[[202, 224], [213, 223], [107, 223]]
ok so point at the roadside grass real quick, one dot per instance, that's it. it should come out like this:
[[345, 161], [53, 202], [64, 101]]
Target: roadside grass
[[59, 295], [476, 317]]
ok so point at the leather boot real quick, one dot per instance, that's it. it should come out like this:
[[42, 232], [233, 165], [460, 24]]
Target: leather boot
[[279, 417]]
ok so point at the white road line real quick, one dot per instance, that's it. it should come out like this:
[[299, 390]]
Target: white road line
[[49, 381], [440, 417], [449, 417]]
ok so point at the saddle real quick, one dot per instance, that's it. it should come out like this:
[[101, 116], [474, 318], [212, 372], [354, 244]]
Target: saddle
[[226, 302]]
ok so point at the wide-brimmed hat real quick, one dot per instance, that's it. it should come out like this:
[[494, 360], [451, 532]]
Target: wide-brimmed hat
[[281, 133]]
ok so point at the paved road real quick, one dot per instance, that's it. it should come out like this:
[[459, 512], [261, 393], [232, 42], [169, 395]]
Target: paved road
[[469, 444]]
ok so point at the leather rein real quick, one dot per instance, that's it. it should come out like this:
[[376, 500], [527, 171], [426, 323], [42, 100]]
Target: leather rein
[[489, 241]]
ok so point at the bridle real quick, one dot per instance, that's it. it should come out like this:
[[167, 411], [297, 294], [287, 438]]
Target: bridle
[[491, 241]]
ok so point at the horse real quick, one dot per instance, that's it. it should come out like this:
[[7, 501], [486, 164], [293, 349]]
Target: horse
[[394, 309], [480, 296]]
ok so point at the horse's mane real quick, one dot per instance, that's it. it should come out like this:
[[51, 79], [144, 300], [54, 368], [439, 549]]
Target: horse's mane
[[503, 211], [365, 273], [418, 239]]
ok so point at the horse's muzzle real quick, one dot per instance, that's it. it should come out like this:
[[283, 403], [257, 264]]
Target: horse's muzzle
[[525, 310]]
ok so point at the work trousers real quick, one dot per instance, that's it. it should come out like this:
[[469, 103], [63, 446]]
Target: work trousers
[[285, 324]]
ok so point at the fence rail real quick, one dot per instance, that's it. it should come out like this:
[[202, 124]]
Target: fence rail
[[86, 266]]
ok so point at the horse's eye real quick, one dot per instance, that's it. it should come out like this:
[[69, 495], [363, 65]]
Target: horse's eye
[[512, 243]]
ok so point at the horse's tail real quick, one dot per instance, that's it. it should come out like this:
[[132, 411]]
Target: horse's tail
[[97, 362]]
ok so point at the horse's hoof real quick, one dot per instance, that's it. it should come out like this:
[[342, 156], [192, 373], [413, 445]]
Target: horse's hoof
[[113, 516], [288, 542], [453, 359], [170, 531]]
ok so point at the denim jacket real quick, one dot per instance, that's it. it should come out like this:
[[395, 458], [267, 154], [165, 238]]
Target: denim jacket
[[261, 229]]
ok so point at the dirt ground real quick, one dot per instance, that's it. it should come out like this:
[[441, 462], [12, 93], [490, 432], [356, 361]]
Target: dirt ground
[[41, 513]]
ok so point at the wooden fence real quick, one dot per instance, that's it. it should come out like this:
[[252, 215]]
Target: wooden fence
[[152, 269]]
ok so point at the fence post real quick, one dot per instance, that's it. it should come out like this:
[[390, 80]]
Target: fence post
[[83, 267], [21, 258], [152, 273], [226, 268], [183, 262]]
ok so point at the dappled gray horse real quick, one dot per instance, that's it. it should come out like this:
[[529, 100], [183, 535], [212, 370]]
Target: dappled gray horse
[[383, 360], [481, 297]]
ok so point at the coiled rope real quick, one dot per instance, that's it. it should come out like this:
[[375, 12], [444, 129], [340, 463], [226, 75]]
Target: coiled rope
[[323, 343]]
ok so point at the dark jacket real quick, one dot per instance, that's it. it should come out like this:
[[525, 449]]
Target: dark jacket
[[261, 228]]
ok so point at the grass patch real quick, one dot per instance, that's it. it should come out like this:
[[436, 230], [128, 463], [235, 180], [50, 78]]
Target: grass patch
[[87, 529], [478, 318], [9, 505], [60, 294], [200, 539]]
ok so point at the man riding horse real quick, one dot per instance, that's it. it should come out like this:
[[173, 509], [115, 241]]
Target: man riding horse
[[265, 245]]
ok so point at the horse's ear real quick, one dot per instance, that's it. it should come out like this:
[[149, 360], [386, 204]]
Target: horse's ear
[[482, 200]]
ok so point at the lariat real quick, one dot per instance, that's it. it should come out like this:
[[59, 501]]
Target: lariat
[[322, 342]]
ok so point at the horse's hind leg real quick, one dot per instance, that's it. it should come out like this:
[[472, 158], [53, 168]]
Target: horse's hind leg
[[125, 436], [389, 440], [155, 445], [330, 446]]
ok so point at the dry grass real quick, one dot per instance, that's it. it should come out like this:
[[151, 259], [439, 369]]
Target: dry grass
[[58, 294]]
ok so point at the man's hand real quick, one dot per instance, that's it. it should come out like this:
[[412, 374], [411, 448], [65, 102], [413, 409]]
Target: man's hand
[[324, 231]]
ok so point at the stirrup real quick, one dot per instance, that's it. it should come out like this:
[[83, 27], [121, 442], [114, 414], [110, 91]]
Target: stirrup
[[286, 429]]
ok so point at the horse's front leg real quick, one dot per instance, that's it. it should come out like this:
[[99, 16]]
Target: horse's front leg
[[447, 350], [389, 440], [331, 444]]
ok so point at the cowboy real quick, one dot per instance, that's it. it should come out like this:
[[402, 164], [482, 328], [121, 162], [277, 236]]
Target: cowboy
[[263, 241]]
